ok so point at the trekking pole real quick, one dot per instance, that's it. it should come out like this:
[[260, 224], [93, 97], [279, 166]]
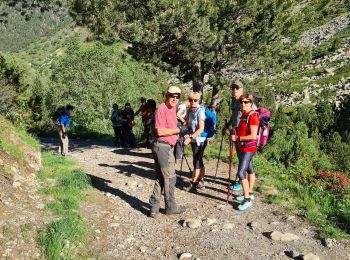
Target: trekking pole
[[229, 168], [189, 167], [217, 164]]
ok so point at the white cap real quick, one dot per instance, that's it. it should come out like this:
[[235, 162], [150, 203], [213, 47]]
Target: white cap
[[174, 90]]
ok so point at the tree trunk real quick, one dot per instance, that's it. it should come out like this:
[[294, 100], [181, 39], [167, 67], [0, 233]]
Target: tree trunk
[[215, 100], [198, 77]]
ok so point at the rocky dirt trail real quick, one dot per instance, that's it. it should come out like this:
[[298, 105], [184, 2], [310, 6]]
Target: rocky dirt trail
[[116, 210]]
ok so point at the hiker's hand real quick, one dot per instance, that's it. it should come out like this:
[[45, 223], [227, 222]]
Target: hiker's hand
[[233, 138], [187, 139], [223, 130]]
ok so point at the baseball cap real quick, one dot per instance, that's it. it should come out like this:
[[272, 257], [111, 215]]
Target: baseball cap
[[237, 83], [174, 90]]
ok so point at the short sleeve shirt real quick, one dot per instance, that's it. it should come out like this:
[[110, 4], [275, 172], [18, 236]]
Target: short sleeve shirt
[[166, 118], [237, 112], [193, 121], [243, 129], [65, 120]]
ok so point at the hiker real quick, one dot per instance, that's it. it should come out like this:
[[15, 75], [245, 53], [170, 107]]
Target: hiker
[[181, 122], [195, 122], [143, 111], [245, 139], [149, 122], [163, 151], [64, 122], [236, 113], [116, 119], [127, 124]]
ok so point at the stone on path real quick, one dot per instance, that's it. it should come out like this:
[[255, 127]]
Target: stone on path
[[192, 223], [143, 249], [185, 256], [286, 237], [228, 225], [253, 225], [211, 221]]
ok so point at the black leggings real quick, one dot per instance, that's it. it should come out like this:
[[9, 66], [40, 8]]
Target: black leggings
[[245, 164], [198, 152]]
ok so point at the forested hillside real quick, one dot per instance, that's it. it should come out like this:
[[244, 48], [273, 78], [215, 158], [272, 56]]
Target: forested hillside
[[294, 54]]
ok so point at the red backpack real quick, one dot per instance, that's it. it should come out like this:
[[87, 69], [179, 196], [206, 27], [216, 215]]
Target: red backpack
[[263, 130]]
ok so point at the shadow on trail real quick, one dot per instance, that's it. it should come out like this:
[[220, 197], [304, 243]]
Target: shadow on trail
[[130, 169], [131, 152], [102, 185], [75, 145]]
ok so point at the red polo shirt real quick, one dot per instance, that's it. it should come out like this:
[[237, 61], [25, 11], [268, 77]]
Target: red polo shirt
[[244, 131]]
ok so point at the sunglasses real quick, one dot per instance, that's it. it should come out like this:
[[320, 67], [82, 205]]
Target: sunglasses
[[245, 102], [175, 96], [192, 100]]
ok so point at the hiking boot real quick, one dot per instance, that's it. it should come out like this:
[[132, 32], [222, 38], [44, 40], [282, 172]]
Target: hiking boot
[[236, 186], [178, 210], [245, 205], [152, 214], [241, 198], [192, 187], [201, 185]]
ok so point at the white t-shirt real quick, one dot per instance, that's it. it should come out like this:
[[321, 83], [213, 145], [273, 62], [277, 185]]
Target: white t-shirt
[[183, 107]]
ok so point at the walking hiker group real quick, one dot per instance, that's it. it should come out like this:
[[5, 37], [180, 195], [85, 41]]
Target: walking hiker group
[[174, 124]]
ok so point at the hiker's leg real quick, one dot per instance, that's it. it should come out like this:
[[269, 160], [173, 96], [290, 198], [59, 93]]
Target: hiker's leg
[[166, 159], [179, 148], [154, 200], [196, 162], [201, 163], [65, 145], [243, 164], [251, 175], [60, 145]]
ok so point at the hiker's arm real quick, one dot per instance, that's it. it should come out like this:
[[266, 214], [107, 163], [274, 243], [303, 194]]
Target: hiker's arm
[[167, 131], [252, 136], [199, 130]]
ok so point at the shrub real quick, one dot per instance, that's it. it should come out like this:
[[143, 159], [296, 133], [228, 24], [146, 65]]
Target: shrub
[[336, 182]]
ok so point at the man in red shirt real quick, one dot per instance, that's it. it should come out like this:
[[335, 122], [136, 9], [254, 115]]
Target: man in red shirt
[[167, 134]]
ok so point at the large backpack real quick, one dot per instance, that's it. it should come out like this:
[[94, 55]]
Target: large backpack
[[209, 124], [56, 117], [264, 126]]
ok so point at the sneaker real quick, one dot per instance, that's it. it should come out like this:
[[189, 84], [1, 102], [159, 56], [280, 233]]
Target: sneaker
[[236, 186], [241, 198], [245, 205], [201, 185]]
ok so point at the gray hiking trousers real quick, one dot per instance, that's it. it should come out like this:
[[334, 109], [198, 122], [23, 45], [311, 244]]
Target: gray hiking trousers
[[164, 161]]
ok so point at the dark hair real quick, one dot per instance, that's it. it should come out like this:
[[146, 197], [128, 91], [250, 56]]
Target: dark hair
[[127, 104], [69, 107], [115, 105], [152, 104], [246, 96]]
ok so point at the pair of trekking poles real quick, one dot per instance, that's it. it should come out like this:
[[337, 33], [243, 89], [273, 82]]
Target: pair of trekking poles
[[217, 164]]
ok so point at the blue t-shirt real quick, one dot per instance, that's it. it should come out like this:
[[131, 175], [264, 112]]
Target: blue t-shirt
[[193, 122], [65, 120]]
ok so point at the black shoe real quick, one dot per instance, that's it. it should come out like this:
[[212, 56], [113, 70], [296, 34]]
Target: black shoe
[[192, 187], [178, 210]]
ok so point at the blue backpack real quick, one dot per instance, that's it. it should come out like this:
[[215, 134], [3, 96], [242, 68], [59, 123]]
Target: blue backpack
[[209, 124]]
